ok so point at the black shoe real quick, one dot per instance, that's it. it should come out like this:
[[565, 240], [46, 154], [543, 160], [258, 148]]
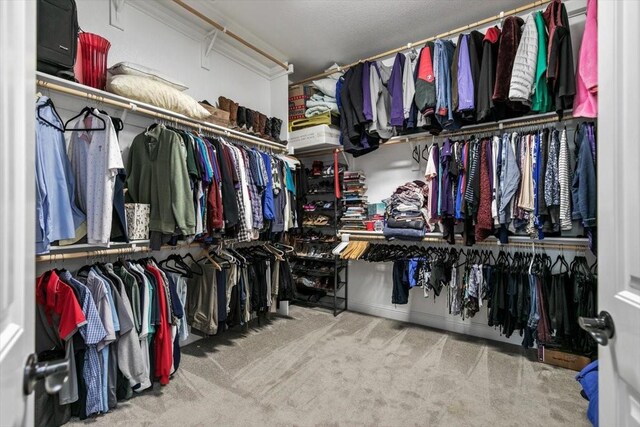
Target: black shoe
[[242, 117]]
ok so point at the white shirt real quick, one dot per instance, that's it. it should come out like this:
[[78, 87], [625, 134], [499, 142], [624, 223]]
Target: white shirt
[[95, 159]]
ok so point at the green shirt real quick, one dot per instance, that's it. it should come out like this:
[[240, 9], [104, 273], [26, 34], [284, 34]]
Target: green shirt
[[541, 101], [157, 175]]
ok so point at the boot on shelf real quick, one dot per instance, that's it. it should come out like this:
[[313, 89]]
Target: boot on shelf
[[241, 118], [268, 129], [276, 127], [223, 103], [262, 124], [233, 114], [249, 120], [256, 123]]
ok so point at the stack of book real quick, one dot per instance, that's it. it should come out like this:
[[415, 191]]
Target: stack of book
[[354, 201]]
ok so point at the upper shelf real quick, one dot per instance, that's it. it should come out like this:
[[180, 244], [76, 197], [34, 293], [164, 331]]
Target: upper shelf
[[57, 84]]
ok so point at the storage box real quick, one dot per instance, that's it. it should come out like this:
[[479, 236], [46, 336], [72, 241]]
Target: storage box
[[298, 96], [562, 359], [137, 220], [218, 116], [326, 118], [322, 136]]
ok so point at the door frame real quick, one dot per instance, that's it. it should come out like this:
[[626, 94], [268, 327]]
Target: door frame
[[17, 206]]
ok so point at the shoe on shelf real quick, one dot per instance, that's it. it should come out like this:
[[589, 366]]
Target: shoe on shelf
[[249, 120], [241, 118], [256, 123], [223, 103], [233, 114], [268, 129]]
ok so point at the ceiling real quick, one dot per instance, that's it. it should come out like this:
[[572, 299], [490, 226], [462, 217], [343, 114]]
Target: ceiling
[[313, 34]]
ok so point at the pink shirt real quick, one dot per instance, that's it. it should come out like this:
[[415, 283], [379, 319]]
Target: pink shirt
[[586, 101]]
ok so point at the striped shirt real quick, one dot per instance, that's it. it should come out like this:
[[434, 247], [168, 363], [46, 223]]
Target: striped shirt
[[563, 178]]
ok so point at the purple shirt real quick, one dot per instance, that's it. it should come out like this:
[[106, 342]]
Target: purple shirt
[[395, 90], [366, 92], [465, 79], [447, 207]]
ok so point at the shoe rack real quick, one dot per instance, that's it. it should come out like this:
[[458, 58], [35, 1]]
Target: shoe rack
[[321, 277]]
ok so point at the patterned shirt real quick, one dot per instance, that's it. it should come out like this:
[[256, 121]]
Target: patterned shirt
[[92, 333]]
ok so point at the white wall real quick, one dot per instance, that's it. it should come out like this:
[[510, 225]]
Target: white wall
[[370, 284], [163, 46]]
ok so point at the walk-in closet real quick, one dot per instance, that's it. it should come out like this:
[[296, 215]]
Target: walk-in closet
[[307, 213]]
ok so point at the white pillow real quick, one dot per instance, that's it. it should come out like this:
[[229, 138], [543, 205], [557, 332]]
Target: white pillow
[[131, 69], [326, 86], [156, 93]]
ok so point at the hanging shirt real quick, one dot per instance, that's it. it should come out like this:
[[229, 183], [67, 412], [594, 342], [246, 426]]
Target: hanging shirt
[[100, 294], [57, 216], [541, 100], [447, 206], [586, 101], [380, 100], [58, 318], [395, 90], [92, 333], [509, 179], [95, 159], [408, 85], [563, 178], [442, 65], [466, 89], [163, 343], [367, 105]]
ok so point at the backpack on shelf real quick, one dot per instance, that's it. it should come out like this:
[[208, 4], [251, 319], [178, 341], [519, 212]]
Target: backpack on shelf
[[57, 37]]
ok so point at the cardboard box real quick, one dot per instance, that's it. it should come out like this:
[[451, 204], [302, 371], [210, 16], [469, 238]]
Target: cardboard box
[[322, 136], [298, 97], [562, 359]]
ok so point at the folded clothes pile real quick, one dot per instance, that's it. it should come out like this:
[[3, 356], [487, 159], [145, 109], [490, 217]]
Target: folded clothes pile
[[320, 103], [355, 201], [406, 212]]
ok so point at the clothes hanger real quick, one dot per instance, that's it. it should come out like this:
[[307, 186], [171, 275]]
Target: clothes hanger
[[49, 103], [88, 111], [195, 264], [205, 255], [276, 252]]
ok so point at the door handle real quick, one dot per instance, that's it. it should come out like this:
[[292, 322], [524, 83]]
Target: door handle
[[601, 328], [54, 373]]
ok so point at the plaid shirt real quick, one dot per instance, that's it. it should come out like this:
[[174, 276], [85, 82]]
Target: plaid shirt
[[254, 194], [244, 234], [92, 332]]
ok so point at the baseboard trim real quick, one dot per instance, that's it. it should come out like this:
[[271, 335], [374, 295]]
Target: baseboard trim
[[450, 324]]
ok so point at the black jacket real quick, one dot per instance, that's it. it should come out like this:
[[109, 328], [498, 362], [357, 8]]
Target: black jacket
[[560, 72]]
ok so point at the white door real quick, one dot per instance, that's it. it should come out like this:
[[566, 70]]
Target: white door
[[17, 206], [618, 160]]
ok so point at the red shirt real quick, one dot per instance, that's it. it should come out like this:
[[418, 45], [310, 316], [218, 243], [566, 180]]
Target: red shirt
[[162, 343], [57, 297]]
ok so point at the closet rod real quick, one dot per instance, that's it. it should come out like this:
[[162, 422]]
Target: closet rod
[[456, 31], [230, 33], [470, 130], [54, 257], [194, 124], [537, 243], [492, 127]]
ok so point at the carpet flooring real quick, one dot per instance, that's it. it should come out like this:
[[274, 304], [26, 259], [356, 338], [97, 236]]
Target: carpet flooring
[[311, 369]]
